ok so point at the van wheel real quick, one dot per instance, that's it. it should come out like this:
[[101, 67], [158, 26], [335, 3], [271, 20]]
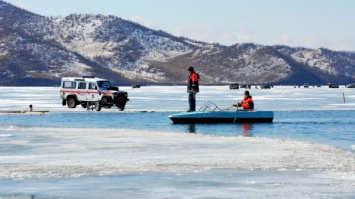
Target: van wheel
[[71, 102], [84, 105], [98, 106], [121, 106]]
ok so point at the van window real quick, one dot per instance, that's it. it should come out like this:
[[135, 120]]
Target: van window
[[92, 86], [69, 84], [104, 84], [82, 85]]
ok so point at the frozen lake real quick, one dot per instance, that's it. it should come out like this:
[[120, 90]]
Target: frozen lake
[[307, 152]]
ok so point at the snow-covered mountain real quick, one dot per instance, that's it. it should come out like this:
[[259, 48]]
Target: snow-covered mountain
[[37, 50]]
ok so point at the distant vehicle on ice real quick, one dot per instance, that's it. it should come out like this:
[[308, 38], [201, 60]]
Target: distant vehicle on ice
[[234, 86], [267, 86], [246, 86], [331, 85]]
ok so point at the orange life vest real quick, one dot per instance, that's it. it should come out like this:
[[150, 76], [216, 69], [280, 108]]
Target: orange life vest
[[192, 82], [247, 103]]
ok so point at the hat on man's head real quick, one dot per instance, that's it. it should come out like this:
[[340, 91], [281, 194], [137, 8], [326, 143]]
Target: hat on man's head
[[246, 92], [191, 69]]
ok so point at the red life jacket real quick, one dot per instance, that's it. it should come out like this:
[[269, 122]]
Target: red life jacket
[[247, 103], [192, 82]]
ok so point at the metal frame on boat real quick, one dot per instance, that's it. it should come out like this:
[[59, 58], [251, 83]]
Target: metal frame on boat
[[211, 113]]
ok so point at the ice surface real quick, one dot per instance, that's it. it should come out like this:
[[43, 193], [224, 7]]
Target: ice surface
[[174, 98], [68, 152], [119, 162]]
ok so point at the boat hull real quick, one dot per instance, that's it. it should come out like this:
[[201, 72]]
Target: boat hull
[[202, 117]]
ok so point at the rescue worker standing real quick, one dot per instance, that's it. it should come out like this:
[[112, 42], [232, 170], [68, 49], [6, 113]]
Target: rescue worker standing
[[192, 88], [247, 102]]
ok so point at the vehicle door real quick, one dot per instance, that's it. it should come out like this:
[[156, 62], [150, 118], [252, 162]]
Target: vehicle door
[[82, 91], [93, 93]]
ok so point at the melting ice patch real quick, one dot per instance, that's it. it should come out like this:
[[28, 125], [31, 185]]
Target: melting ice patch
[[5, 135], [69, 152]]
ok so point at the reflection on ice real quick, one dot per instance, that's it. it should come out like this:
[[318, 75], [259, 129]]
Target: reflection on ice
[[246, 129], [191, 128]]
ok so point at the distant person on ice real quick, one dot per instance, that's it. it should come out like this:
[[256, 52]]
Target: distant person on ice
[[192, 88], [247, 102]]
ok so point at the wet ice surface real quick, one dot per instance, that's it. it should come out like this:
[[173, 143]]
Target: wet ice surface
[[210, 184], [160, 164], [74, 153], [47, 152]]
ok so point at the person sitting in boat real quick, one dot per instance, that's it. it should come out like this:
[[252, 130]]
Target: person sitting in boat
[[247, 102]]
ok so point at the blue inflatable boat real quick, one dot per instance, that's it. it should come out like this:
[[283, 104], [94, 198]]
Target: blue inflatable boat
[[210, 113]]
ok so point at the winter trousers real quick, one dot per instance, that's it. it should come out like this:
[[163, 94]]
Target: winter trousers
[[192, 101]]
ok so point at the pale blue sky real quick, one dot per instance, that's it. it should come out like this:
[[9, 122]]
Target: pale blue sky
[[307, 23]]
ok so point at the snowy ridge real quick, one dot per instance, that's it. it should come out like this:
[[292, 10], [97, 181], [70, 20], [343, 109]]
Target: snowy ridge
[[314, 59], [47, 48]]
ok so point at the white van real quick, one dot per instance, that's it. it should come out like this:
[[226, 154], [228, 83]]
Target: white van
[[89, 91]]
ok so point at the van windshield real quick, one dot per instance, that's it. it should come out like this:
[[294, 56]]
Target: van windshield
[[104, 84]]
